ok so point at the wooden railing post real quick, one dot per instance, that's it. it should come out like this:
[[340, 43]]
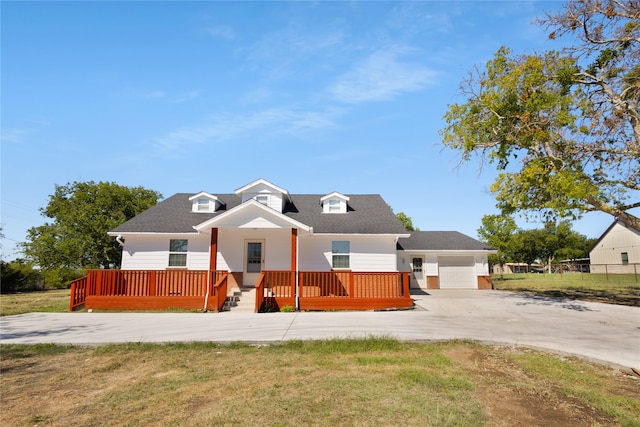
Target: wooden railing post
[[152, 283], [98, 282], [405, 285], [351, 285], [72, 299]]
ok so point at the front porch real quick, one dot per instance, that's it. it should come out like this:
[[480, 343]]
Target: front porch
[[207, 290]]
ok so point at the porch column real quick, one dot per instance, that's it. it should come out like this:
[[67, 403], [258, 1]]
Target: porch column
[[294, 249], [213, 250], [294, 267]]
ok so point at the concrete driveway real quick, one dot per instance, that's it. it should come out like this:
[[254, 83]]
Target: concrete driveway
[[599, 332]]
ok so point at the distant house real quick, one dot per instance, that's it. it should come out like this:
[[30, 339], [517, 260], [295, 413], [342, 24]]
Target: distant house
[[617, 250], [313, 251]]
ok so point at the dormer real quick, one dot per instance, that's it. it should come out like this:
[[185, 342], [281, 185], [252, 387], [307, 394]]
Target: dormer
[[334, 203], [266, 193], [204, 202]]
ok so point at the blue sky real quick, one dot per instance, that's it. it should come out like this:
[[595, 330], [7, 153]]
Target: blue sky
[[188, 96]]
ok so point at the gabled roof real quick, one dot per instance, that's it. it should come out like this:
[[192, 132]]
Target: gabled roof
[[336, 195], [203, 194], [367, 214], [441, 241], [264, 215], [613, 224], [264, 182]]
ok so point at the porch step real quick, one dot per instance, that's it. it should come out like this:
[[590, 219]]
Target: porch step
[[240, 300]]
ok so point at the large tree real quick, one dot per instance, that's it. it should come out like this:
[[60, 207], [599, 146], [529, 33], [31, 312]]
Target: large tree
[[82, 213], [563, 128], [497, 231]]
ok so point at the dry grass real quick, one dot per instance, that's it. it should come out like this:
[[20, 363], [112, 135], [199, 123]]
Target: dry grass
[[40, 301], [336, 382]]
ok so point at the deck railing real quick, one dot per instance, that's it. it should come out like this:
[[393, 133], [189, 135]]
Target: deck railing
[[78, 293], [151, 289], [218, 291], [207, 290], [333, 290], [275, 289]]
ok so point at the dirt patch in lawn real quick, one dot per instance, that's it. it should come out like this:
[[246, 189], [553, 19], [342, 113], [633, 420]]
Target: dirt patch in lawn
[[511, 396]]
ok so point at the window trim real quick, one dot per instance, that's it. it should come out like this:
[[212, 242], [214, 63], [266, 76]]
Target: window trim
[[205, 206], [625, 258], [265, 197], [337, 254], [184, 252], [334, 206]]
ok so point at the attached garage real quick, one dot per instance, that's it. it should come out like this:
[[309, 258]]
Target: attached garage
[[444, 260], [457, 272]]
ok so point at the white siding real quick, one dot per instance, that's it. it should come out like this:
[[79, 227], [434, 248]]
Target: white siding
[[151, 252], [275, 199], [231, 248], [618, 240], [368, 253]]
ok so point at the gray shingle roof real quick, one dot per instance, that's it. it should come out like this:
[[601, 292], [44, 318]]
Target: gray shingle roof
[[367, 214], [440, 240]]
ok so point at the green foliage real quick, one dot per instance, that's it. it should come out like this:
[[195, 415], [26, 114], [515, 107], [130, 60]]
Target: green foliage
[[19, 276], [82, 214], [406, 221], [554, 242], [287, 309], [497, 231], [563, 127]]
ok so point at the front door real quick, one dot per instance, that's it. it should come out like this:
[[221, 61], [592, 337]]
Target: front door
[[253, 262], [417, 273]]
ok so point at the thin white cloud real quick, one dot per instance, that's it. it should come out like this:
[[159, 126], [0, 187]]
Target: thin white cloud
[[293, 50], [159, 94], [230, 126], [184, 97], [155, 94], [15, 136], [381, 77], [222, 31]]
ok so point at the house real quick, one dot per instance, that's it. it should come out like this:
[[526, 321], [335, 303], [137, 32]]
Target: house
[[617, 250], [310, 251]]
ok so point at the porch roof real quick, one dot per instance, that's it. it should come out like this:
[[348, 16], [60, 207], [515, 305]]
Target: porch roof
[[366, 214]]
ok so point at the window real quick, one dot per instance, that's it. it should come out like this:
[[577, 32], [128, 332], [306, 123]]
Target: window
[[334, 206], [203, 205], [254, 257], [417, 265], [625, 258], [340, 250], [263, 198], [178, 252]]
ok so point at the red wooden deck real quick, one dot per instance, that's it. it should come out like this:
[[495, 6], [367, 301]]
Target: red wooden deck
[[207, 290], [150, 289], [334, 290]]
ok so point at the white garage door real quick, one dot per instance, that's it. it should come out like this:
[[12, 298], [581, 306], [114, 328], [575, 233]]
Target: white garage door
[[457, 272]]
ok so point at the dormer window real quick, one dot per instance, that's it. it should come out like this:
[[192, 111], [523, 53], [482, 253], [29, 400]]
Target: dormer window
[[264, 192], [334, 203], [203, 205], [204, 202], [263, 198]]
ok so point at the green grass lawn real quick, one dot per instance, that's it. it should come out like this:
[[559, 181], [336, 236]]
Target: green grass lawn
[[614, 288], [364, 382]]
